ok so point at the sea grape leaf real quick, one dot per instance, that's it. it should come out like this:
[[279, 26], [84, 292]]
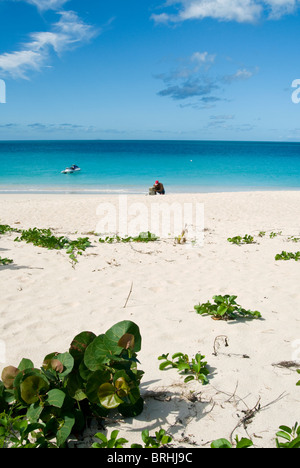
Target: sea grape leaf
[[126, 341], [31, 387], [67, 361], [56, 398], [25, 364], [94, 382], [34, 411], [115, 335], [65, 430], [75, 387], [108, 397], [80, 343], [8, 376], [97, 354]]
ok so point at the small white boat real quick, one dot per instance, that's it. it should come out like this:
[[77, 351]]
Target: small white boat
[[71, 169]]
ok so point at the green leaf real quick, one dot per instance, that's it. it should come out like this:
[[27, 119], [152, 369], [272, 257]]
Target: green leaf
[[31, 388], [96, 379], [101, 436], [97, 354], [221, 310], [163, 365], [67, 361], [189, 378], [56, 398], [65, 430], [108, 397], [34, 412], [25, 364], [244, 443], [113, 337], [286, 429], [221, 443], [177, 355], [80, 343], [76, 387], [283, 435]]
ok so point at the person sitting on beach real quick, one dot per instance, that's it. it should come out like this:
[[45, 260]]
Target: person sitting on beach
[[159, 188]]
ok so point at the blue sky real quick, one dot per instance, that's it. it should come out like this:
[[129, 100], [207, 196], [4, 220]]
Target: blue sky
[[162, 69]]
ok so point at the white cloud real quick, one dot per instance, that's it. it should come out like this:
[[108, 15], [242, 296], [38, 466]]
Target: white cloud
[[279, 8], [68, 32], [47, 4], [242, 11], [202, 57], [241, 74]]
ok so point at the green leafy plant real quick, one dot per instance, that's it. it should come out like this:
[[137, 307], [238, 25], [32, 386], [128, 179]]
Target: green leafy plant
[[45, 238], [5, 261], [4, 228], [238, 240], [262, 234], [18, 432], [142, 237], [224, 443], [225, 308], [288, 256], [160, 440], [275, 234], [298, 383], [294, 239], [195, 367], [290, 435], [112, 442], [96, 375]]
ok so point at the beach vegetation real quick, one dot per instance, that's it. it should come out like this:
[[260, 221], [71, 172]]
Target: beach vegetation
[[160, 440], [275, 234], [288, 256], [291, 436], [225, 308], [294, 239], [4, 228], [5, 261], [46, 239], [196, 368], [112, 442], [142, 237], [224, 443], [238, 240], [18, 432], [96, 375]]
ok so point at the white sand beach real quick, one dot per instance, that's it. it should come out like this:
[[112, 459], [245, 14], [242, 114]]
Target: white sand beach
[[45, 302]]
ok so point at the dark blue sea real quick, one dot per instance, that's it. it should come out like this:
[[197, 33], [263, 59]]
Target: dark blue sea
[[133, 166]]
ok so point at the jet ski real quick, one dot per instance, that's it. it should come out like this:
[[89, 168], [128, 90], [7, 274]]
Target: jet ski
[[71, 169]]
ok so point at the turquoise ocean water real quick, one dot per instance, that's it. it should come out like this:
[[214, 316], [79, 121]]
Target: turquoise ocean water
[[133, 166]]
